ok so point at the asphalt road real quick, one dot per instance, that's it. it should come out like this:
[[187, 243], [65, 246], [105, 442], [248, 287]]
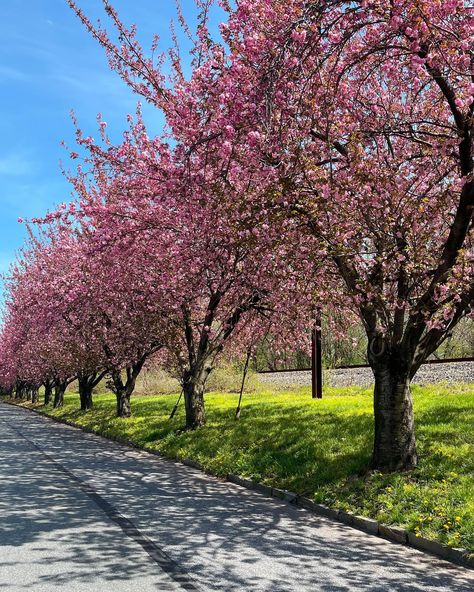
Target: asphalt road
[[78, 512]]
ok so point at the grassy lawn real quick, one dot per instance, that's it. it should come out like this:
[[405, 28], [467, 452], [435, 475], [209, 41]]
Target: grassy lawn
[[320, 449]]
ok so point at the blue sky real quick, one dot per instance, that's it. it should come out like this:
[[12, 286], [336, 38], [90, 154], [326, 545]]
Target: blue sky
[[49, 65]]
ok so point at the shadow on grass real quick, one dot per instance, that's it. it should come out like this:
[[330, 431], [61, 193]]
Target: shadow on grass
[[446, 437], [292, 445], [458, 417]]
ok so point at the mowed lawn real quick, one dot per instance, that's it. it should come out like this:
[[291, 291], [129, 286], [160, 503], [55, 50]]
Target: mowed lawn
[[319, 448]]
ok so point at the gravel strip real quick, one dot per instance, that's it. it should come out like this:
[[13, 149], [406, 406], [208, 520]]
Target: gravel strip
[[429, 373]]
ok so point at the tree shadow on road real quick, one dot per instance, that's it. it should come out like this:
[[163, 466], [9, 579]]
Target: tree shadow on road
[[226, 537]]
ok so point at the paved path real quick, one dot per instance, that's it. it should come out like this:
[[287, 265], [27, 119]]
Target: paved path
[[80, 513]]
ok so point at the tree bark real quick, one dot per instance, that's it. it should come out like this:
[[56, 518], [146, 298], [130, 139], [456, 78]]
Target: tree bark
[[123, 390], [193, 390], [6, 392], [85, 392], [19, 391], [34, 395], [394, 437], [59, 389], [123, 402], [48, 392]]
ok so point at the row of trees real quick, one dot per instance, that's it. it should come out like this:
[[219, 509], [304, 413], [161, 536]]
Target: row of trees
[[320, 153], [111, 282]]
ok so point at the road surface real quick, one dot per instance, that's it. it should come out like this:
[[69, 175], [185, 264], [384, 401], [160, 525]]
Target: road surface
[[78, 513]]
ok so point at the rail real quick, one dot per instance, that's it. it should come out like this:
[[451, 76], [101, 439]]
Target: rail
[[444, 361]]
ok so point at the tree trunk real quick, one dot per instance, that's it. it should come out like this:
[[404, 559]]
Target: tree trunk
[[85, 392], [48, 392], [34, 395], [123, 390], [394, 438], [193, 389], [59, 389], [19, 391], [123, 402], [6, 392]]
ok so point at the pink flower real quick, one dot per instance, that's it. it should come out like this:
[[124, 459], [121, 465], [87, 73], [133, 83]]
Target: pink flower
[[298, 35]]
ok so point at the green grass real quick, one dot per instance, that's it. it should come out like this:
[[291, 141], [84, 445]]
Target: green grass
[[320, 449]]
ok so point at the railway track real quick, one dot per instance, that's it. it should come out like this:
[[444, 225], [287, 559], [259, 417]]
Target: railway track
[[437, 371]]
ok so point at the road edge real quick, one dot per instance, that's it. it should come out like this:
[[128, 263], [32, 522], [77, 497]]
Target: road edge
[[392, 533]]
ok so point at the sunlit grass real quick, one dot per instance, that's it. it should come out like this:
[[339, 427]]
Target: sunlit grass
[[319, 448]]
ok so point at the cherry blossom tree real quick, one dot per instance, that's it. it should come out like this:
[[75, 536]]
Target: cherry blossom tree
[[67, 318], [42, 342], [169, 219], [366, 110], [354, 122], [336, 133]]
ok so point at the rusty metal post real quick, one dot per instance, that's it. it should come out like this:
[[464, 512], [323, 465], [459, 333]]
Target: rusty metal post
[[316, 359]]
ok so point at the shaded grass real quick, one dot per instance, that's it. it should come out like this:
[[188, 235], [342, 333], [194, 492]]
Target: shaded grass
[[319, 448]]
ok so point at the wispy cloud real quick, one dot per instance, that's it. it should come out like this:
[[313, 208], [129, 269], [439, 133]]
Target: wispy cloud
[[33, 199], [16, 164], [8, 73], [89, 86]]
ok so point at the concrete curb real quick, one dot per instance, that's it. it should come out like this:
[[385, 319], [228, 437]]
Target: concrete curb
[[394, 534]]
